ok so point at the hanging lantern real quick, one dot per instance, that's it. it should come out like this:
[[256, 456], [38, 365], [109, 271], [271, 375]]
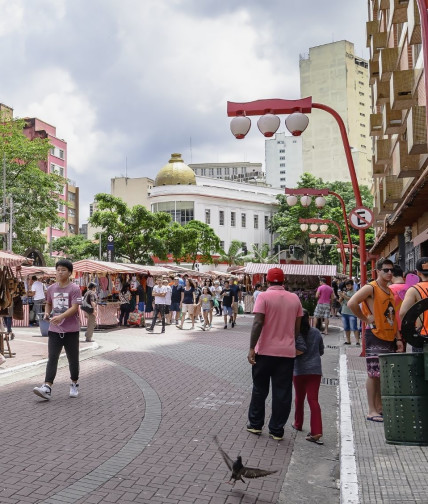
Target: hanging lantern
[[296, 123], [320, 202], [305, 201], [313, 240], [320, 241], [240, 126], [304, 227], [314, 227], [291, 200], [323, 228], [328, 241], [268, 124]]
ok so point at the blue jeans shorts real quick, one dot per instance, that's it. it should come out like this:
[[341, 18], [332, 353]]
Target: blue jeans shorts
[[349, 322]]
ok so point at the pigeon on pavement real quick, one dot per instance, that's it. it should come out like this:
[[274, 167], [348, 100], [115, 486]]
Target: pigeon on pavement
[[238, 469]]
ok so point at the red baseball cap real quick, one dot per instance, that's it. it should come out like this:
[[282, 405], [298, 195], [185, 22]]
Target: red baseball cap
[[275, 275]]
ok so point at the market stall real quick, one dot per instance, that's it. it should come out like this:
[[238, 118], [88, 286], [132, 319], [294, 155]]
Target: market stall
[[109, 278], [303, 279]]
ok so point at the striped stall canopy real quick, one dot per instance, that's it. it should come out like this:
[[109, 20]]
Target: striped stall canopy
[[293, 269], [92, 266], [8, 258]]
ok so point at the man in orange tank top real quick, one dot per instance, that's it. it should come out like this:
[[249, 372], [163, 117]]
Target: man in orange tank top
[[416, 293], [382, 335]]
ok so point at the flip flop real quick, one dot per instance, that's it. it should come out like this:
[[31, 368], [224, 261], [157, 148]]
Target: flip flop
[[311, 439], [375, 418]]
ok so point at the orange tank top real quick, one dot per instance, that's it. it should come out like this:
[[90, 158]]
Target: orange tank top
[[422, 288], [385, 323]]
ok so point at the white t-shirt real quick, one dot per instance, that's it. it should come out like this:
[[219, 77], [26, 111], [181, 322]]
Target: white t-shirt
[[168, 295], [39, 291], [160, 290]]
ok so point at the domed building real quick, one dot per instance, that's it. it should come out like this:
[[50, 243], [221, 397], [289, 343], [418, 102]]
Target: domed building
[[235, 210]]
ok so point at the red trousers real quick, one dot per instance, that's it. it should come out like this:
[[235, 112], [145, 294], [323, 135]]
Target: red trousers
[[307, 385]]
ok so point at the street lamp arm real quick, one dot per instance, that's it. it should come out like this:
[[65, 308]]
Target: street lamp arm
[[274, 106], [348, 232]]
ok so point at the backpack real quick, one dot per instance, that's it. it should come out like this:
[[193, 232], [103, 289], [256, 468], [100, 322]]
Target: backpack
[[86, 305]]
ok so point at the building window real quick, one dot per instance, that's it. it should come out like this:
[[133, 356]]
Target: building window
[[71, 212], [281, 151], [72, 228], [362, 125], [282, 172], [222, 245], [233, 219], [267, 220], [281, 157], [71, 196], [61, 153], [361, 93], [282, 165], [363, 146], [207, 216], [243, 220], [362, 104], [180, 211], [282, 179], [53, 151], [58, 170], [211, 172], [294, 141], [221, 217], [363, 136], [362, 115], [282, 186], [60, 206], [256, 222], [219, 172], [226, 171]]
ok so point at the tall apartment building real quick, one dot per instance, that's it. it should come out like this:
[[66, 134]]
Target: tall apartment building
[[250, 173], [57, 163], [334, 76], [134, 191], [283, 160], [398, 126]]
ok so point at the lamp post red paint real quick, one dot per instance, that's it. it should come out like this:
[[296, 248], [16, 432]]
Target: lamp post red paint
[[305, 105], [341, 243]]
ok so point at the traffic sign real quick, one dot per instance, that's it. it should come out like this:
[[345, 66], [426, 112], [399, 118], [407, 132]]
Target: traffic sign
[[361, 217]]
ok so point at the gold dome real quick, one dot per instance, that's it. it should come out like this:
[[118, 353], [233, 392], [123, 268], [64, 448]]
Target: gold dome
[[175, 173]]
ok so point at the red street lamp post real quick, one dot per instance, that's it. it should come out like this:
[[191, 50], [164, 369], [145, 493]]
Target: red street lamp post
[[340, 239], [296, 123]]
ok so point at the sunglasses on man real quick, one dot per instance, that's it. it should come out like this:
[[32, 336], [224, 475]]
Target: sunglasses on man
[[387, 270]]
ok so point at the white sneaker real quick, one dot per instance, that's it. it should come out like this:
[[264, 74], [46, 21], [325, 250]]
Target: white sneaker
[[74, 389], [44, 391]]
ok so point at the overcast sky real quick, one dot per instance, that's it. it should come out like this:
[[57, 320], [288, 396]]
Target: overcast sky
[[128, 82]]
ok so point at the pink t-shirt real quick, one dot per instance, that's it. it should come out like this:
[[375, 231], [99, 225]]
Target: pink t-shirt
[[399, 291], [281, 308], [61, 299], [324, 294]]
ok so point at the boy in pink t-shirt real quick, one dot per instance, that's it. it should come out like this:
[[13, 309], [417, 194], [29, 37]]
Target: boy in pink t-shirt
[[324, 294]]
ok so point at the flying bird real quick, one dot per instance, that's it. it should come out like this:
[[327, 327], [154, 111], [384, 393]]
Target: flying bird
[[238, 469]]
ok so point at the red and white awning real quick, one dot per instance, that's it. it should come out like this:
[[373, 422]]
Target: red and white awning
[[293, 269], [8, 258]]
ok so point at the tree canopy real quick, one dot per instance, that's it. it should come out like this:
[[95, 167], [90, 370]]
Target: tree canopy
[[35, 194], [75, 247]]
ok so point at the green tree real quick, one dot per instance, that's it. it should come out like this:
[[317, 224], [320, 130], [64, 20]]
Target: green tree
[[232, 256], [285, 223], [35, 194], [201, 243], [75, 247], [260, 254], [138, 233]]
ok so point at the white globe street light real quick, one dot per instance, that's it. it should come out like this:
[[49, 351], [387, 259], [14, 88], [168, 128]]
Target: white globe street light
[[304, 227], [291, 200], [296, 123], [313, 240], [240, 126], [268, 124], [320, 202], [320, 241], [323, 228], [314, 227], [328, 241], [305, 201]]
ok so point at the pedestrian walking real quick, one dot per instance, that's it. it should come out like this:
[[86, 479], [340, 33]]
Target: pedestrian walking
[[125, 304], [39, 298], [91, 297], [307, 378], [187, 303], [272, 353], [176, 291], [205, 302], [64, 328], [226, 297], [349, 320], [325, 296], [237, 297], [159, 293], [414, 294], [382, 336]]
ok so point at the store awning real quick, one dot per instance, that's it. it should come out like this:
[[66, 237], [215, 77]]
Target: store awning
[[8, 258], [38, 270], [293, 269], [93, 266]]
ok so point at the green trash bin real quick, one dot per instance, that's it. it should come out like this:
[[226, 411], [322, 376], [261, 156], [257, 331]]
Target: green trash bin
[[404, 394]]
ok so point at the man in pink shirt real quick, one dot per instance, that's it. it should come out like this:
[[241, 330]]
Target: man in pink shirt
[[272, 352], [325, 295]]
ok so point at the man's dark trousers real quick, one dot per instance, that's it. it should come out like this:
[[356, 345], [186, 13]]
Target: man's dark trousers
[[159, 308], [280, 371]]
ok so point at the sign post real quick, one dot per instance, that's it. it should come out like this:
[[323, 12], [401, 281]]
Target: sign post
[[361, 217], [110, 248]]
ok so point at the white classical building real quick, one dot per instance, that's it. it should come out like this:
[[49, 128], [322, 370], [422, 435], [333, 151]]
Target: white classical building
[[235, 210]]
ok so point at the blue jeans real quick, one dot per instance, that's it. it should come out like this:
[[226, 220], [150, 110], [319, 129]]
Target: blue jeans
[[141, 306], [279, 371], [349, 322]]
